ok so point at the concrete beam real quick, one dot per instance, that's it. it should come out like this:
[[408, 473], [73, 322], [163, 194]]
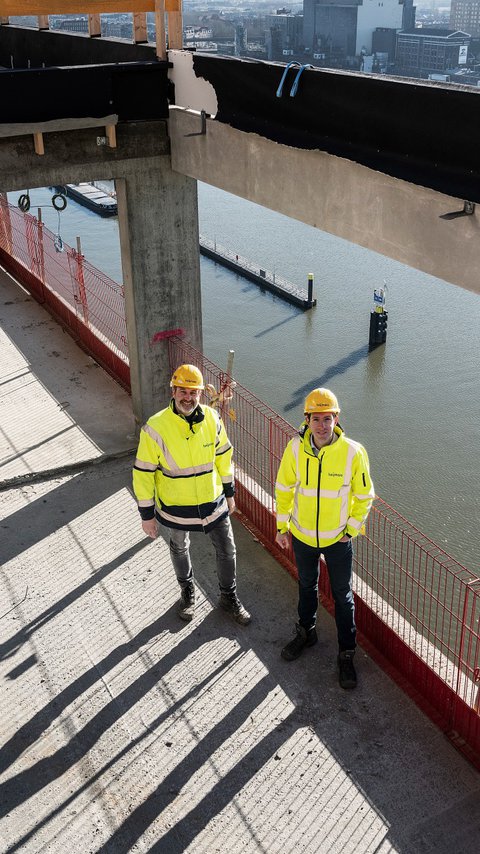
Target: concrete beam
[[158, 221], [27, 128], [398, 219], [74, 155], [392, 125]]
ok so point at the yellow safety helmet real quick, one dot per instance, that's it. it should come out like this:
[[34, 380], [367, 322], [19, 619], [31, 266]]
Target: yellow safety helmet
[[321, 400], [187, 376]]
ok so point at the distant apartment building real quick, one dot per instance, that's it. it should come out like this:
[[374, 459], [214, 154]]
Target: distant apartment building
[[465, 15], [344, 28], [284, 34], [69, 24], [203, 34], [117, 26], [425, 51]]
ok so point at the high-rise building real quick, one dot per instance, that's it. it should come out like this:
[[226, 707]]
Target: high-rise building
[[465, 15], [284, 34], [240, 40], [344, 28]]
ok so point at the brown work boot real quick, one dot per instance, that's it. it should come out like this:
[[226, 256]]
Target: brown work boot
[[303, 638], [186, 605], [231, 603]]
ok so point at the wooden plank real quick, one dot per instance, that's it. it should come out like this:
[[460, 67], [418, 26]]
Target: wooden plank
[[140, 27], [94, 26], [160, 37], [27, 128], [175, 30], [111, 135], [58, 7], [38, 143]]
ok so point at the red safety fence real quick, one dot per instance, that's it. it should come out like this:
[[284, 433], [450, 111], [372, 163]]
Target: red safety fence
[[83, 299], [417, 609]]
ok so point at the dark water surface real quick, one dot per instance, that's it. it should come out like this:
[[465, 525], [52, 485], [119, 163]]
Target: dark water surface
[[414, 403]]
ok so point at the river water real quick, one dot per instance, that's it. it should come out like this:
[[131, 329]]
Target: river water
[[414, 403]]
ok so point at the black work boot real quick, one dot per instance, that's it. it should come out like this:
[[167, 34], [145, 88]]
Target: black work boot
[[303, 638], [346, 671], [231, 603], [186, 605]]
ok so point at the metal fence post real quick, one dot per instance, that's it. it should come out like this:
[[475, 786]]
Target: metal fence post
[[81, 280]]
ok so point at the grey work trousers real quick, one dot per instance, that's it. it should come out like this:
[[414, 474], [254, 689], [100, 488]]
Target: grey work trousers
[[222, 538]]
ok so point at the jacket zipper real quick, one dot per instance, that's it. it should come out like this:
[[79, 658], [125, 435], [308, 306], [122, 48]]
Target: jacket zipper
[[318, 497]]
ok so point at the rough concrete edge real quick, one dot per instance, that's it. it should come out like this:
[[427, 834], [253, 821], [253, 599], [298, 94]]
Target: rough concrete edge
[[46, 474]]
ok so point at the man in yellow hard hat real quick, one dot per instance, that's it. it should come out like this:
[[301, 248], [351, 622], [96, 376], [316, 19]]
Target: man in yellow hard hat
[[324, 493], [183, 478]]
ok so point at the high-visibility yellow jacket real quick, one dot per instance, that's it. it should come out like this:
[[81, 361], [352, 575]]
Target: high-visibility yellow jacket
[[322, 498], [183, 471]]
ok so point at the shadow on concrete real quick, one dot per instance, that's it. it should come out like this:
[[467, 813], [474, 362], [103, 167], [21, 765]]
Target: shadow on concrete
[[13, 644], [24, 785], [179, 837], [35, 447], [374, 737], [74, 381], [60, 506]]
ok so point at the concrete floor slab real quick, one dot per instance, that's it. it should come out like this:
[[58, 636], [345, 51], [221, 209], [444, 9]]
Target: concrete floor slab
[[44, 373], [127, 730]]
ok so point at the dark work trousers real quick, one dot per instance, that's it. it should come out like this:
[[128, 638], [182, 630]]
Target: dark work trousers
[[338, 558]]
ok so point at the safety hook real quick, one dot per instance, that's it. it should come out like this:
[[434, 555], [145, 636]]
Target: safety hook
[[282, 81], [24, 202], [57, 240], [203, 125], [293, 90]]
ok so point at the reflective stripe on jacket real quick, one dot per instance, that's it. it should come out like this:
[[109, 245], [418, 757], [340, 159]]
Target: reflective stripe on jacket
[[319, 499], [183, 472]]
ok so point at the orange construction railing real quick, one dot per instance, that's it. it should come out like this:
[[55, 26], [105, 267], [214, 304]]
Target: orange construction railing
[[169, 9], [417, 609]]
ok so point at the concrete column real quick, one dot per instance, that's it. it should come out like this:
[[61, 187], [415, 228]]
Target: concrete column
[[158, 224]]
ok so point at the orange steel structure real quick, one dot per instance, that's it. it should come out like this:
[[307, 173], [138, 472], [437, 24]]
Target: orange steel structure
[[417, 609], [94, 8]]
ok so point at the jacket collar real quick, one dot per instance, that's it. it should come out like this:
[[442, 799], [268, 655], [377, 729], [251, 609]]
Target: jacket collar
[[197, 416], [305, 434]]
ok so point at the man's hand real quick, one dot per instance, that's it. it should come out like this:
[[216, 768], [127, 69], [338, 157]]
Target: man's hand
[[150, 527], [345, 539], [282, 540], [231, 505]]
